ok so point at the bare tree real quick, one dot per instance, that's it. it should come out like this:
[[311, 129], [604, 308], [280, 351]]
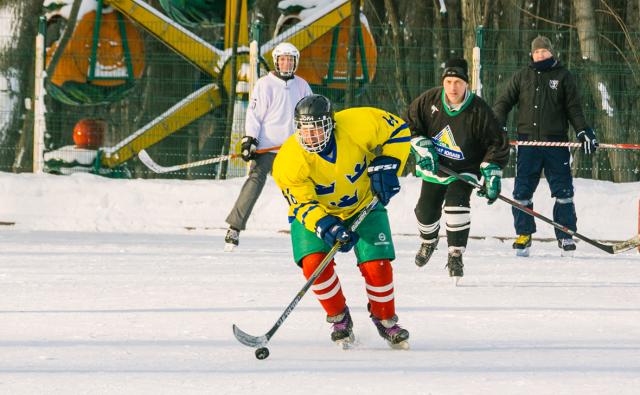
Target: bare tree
[[397, 40], [471, 19], [606, 118], [455, 29], [352, 54], [17, 69]]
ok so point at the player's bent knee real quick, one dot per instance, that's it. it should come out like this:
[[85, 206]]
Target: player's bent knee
[[311, 262]]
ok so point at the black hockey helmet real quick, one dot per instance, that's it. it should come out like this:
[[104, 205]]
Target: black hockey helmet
[[313, 122]]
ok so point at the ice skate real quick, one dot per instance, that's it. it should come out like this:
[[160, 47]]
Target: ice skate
[[522, 244], [426, 250], [342, 334], [389, 330], [231, 240], [455, 265], [568, 246]]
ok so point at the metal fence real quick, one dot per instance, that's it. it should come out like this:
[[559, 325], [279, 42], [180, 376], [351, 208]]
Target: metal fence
[[167, 79]]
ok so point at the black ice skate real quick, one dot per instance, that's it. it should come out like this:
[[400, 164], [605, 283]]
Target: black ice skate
[[568, 246], [342, 333], [522, 244], [455, 265], [231, 240], [389, 330], [426, 250]]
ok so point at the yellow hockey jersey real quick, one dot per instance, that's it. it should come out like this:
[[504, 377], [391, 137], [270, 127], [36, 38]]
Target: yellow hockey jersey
[[337, 183]]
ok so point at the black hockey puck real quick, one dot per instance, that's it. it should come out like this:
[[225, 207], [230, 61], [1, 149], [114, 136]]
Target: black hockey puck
[[262, 353]]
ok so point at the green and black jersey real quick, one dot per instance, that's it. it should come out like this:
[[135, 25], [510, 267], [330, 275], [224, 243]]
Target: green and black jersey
[[463, 138]]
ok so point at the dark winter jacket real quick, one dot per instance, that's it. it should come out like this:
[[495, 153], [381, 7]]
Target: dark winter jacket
[[465, 138], [547, 100]]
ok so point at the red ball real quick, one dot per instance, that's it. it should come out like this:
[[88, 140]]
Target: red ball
[[89, 133]]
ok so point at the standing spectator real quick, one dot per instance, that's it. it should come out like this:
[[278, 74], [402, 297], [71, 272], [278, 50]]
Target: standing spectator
[[547, 98], [328, 173], [452, 126], [268, 124]]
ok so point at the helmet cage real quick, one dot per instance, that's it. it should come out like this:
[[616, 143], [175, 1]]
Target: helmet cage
[[285, 49], [317, 142]]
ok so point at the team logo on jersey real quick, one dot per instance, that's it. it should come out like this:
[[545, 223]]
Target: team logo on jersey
[[325, 189], [446, 144], [358, 170], [346, 201], [553, 84]]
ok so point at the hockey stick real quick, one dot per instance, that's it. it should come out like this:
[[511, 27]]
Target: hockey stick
[[573, 145], [261, 341], [156, 168], [610, 248]]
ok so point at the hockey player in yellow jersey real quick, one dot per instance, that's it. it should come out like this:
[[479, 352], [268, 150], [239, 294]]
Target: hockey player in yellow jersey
[[329, 170]]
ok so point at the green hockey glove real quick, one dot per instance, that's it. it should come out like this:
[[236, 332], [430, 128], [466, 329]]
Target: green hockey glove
[[492, 174], [425, 152]]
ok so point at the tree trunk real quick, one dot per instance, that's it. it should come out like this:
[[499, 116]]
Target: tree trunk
[[17, 69], [441, 39], [471, 19], [502, 52], [397, 42], [454, 26], [421, 60], [507, 48], [607, 118], [352, 55]]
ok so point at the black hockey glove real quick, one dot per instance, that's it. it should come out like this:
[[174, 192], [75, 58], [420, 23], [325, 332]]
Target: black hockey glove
[[332, 230], [248, 148], [588, 139], [383, 172]]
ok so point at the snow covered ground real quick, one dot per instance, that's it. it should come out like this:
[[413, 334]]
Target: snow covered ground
[[104, 289]]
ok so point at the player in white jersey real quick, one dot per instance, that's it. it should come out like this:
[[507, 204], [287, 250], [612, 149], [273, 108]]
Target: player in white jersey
[[268, 124]]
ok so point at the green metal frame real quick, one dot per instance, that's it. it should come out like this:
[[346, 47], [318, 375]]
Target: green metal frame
[[332, 60], [94, 47]]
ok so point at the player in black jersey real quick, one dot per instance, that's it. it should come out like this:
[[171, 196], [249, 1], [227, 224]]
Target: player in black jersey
[[453, 126]]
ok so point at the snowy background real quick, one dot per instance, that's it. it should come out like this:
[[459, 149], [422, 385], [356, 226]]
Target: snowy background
[[121, 287]]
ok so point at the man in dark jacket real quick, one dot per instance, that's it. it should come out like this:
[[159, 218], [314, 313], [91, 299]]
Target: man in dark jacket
[[452, 126], [548, 100]]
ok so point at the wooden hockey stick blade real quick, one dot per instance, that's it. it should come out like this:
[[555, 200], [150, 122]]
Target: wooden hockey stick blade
[[249, 340], [624, 245]]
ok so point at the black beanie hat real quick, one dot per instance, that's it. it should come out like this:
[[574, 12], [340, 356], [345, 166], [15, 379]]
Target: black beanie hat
[[456, 68]]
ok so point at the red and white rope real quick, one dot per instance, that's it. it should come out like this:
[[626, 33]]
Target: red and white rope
[[572, 144]]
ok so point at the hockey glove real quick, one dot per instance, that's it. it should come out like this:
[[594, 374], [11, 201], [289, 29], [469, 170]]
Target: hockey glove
[[588, 139], [426, 155], [492, 186], [332, 231], [248, 147], [383, 172]]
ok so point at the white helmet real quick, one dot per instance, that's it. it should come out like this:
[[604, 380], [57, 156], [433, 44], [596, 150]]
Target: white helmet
[[285, 49]]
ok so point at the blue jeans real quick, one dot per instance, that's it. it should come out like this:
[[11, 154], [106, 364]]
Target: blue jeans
[[556, 163]]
